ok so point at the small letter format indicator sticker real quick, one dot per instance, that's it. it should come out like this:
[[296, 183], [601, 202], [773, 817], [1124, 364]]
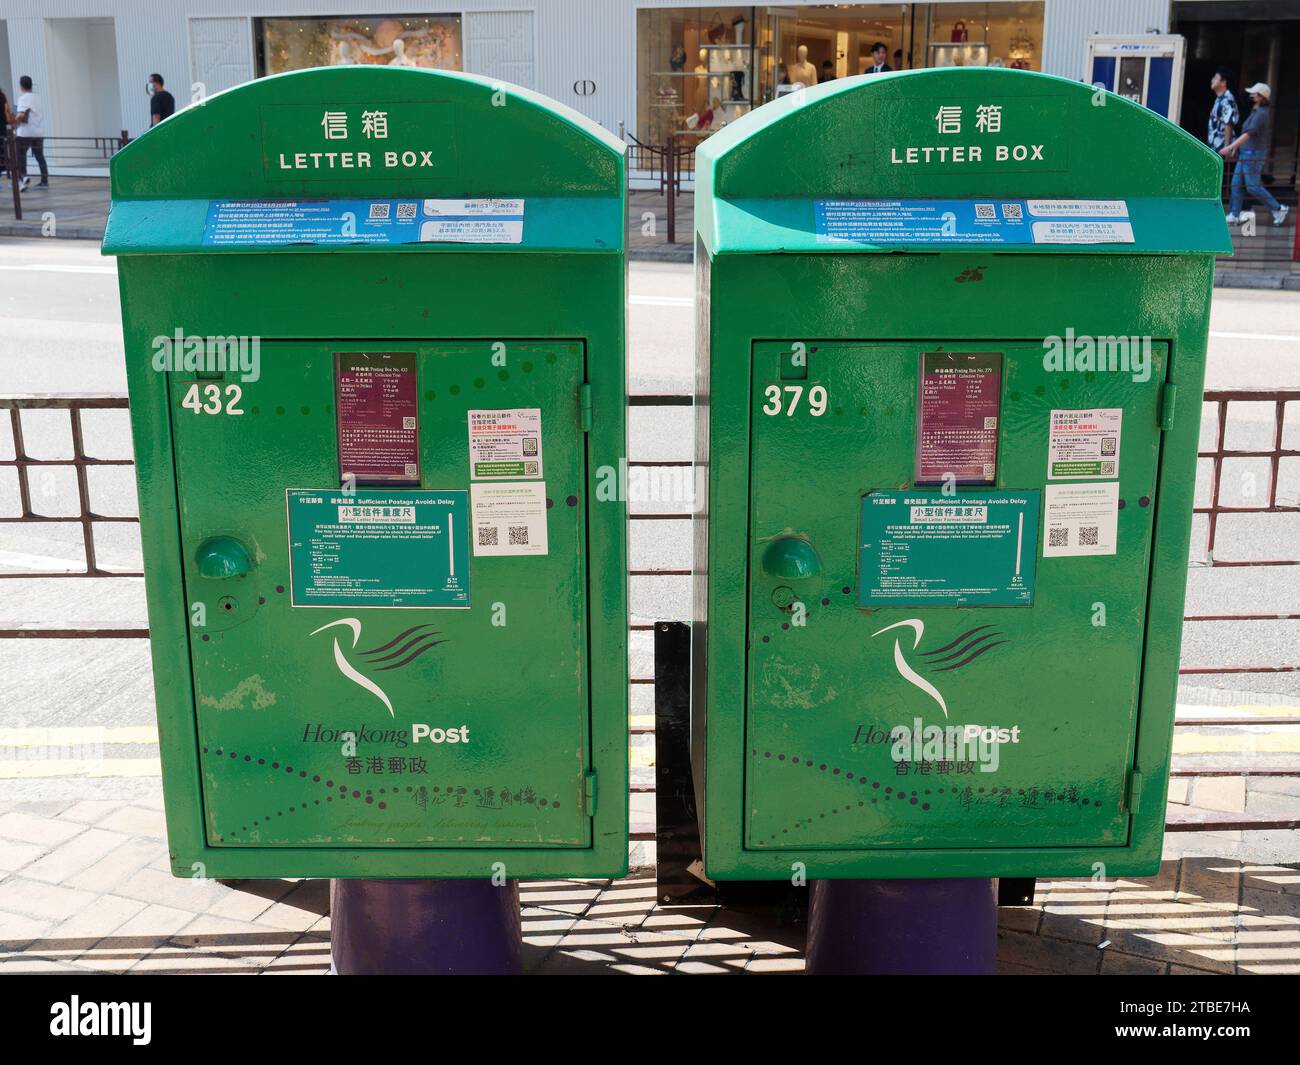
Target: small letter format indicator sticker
[[930, 549], [357, 549]]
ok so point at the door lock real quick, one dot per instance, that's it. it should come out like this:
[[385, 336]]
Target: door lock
[[791, 558], [222, 557]]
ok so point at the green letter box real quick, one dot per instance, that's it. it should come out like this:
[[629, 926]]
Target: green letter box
[[375, 346], [951, 350]]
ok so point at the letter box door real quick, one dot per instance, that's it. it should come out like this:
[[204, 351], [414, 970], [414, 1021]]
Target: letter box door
[[457, 657], [874, 603]]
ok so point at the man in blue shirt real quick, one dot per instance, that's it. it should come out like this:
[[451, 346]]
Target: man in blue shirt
[[1253, 144]]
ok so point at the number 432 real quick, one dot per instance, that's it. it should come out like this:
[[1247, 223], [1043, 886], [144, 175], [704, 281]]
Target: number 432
[[816, 399], [210, 400]]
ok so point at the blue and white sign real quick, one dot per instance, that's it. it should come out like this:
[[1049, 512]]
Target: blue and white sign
[[993, 221], [263, 223]]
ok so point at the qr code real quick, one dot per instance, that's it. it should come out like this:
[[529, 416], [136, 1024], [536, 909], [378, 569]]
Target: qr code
[[1108, 445], [985, 210], [1012, 210], [989, 470], [1108, 469], [990, 423], [530, 469], [1087, 536], [407, 210], [518, 535], [379, 210], [530, 445], [408, 423], [1058, 537], [410, 469], [487, 536]]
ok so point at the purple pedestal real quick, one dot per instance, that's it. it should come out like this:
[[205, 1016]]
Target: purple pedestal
[[425, 927], [902, 927]]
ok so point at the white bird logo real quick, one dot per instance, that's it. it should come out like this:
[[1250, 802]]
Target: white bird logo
[[346, 668], [906, 671]]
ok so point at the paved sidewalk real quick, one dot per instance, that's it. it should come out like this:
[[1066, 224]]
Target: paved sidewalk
[[647, 227], [75, 208], [85, 887]]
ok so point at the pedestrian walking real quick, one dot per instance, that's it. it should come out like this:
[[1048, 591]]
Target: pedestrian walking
[[1224, 118], [31, 134], [162, 104], [1251, 149]]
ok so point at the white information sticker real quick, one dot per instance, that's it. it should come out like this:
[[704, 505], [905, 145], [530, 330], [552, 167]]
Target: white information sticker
[[505, 445], [1082, 231], [1080, 519], [509, 519], [472, 221], [1084, 444]]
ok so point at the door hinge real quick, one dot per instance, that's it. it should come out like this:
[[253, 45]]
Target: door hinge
[[589, 793], [1134, 792], [1167, 397], [584, 407]]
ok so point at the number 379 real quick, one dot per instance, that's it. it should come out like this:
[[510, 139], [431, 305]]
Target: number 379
[[788, 398]]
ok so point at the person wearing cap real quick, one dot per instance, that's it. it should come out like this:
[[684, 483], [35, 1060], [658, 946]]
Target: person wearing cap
[[1251, 148]]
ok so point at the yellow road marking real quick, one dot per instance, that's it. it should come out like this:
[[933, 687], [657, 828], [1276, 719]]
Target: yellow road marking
[[77, 736], [80, 767], [1254, 743], [1185, 710]]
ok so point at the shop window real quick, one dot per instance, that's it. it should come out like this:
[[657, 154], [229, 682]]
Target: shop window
[[695, 70], [429, 41]]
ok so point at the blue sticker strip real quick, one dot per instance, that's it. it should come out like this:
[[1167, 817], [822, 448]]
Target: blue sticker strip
[[894, 222], [265, 223]]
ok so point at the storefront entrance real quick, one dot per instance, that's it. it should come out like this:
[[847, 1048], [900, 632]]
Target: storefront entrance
[[700, 68]]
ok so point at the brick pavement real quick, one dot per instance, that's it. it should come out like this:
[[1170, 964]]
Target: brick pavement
[[85, 887]]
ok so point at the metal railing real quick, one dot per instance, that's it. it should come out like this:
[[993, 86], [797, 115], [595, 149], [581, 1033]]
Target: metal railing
[[1267, 244], [673, 160], [63, 152], [1220, 399], [672, 164], [87, 518], [1217, 454]]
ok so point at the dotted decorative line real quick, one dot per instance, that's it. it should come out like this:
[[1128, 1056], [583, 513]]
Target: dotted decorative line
[[344, 791], [887, 792]]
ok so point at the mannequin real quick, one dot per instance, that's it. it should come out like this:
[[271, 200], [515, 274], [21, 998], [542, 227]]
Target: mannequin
[[400, 58], [703, 66], [802, 71]]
